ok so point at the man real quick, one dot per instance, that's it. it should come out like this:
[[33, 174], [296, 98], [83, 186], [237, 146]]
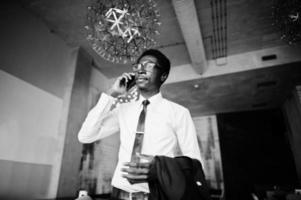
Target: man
[[148, 127]]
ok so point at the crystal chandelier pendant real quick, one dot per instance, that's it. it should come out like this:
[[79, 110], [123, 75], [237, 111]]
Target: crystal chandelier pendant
[[119, 32]]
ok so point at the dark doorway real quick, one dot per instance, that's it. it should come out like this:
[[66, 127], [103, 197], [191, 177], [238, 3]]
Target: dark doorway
[[255, 153]]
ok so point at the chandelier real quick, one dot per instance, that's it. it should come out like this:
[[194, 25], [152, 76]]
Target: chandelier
[[120, 30]]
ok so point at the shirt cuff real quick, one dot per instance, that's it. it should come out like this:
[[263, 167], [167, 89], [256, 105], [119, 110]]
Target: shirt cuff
[[105, 98]]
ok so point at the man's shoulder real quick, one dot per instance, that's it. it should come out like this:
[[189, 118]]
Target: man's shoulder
[[174, 105]]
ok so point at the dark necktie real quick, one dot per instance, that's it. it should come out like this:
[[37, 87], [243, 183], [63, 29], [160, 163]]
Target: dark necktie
[[139, 133]]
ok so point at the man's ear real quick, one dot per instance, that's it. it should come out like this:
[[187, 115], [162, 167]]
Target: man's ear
[[164, 77]]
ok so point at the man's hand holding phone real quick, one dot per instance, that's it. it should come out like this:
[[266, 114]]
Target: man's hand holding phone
[[122, 83]]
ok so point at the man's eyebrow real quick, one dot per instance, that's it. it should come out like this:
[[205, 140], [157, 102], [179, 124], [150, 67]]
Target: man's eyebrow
[[148, 61]]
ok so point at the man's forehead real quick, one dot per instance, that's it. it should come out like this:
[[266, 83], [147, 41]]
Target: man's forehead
[[148, 58]]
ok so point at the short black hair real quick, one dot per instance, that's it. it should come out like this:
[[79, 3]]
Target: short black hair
[[163, 61]]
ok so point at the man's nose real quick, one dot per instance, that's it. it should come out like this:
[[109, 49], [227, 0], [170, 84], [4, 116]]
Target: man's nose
[[141, 71]]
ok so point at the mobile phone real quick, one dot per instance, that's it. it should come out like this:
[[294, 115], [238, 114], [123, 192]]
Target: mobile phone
[[131, 82]]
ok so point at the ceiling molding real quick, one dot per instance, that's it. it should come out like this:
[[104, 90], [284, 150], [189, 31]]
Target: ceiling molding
[[188, 19], [238, 63]]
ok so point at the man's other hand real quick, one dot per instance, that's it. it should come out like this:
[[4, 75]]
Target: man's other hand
[[138, 172]]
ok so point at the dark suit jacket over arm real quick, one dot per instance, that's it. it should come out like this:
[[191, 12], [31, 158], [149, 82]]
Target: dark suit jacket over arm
[[180, 178]]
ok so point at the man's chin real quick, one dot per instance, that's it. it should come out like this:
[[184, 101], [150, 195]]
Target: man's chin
[[141, 86]]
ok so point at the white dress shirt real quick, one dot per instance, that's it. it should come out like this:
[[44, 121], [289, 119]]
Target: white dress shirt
[[167, 126]]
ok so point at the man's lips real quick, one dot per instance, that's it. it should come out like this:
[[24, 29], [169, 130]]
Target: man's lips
[[140, 79]]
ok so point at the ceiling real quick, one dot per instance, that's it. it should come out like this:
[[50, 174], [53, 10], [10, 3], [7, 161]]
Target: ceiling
[[248, 26], [225, 28], [249, 90]]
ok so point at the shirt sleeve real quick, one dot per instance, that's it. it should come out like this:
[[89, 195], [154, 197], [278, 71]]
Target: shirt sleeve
[[187, 137], [100, 122]]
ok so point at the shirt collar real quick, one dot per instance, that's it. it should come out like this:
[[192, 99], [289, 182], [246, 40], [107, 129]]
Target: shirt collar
[[153, 100]]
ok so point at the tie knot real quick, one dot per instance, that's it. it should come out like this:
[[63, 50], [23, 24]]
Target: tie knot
[[145, 103]]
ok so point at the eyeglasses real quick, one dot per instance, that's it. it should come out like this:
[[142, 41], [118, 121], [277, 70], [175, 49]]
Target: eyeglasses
[[147, 66]]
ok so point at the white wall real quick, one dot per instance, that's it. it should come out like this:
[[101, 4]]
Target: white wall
[[31, 52], [36, 77], [292, 111], [29, 122], [208, 138]]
